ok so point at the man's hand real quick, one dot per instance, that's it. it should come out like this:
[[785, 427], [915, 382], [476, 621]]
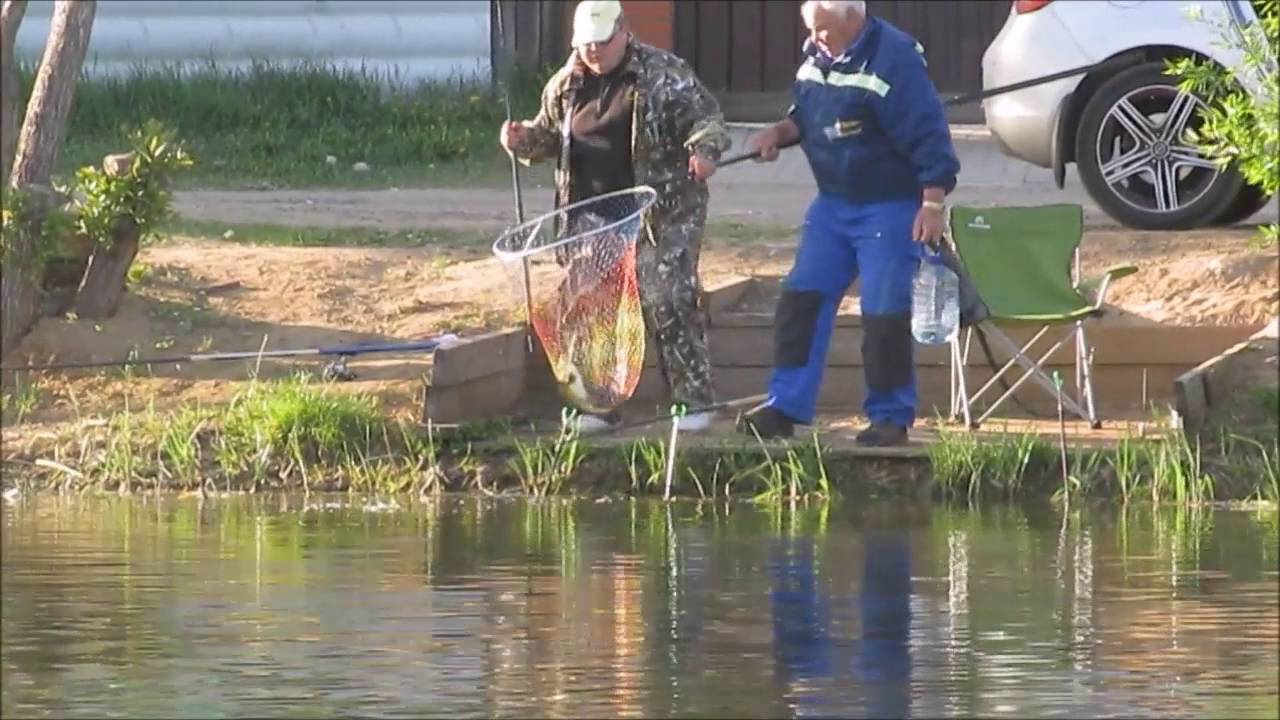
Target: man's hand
[[512, 135], [928, 226], [700, 168], [765, 143]]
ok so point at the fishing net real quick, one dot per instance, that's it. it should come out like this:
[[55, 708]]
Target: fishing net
[[575, 268]]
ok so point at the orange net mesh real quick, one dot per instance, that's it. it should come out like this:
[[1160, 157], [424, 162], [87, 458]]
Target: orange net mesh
[[576, 269]]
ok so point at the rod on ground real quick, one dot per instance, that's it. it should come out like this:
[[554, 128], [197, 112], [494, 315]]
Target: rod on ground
[[508, 64], [336, 350]]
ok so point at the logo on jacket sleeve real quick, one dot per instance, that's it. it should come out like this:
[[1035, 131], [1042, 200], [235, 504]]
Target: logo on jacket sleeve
[[843, 129]]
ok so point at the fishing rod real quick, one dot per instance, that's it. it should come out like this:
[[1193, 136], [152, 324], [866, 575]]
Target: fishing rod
[[508, 64], [679, 412], [336, 369], [952, 100]]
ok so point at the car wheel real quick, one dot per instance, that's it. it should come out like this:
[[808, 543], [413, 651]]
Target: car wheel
[[1136, 162], [1248, 201]]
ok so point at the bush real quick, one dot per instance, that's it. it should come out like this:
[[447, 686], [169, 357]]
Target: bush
[[1239, 126]]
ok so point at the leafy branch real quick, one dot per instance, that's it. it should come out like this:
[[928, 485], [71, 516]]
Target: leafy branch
[[1241, 123], [132, 187]]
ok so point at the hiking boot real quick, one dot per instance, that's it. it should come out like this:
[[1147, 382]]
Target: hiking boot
[[883, 434], [767, 422]]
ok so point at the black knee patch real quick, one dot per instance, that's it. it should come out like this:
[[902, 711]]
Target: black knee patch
[[794, 326], [887, 350]]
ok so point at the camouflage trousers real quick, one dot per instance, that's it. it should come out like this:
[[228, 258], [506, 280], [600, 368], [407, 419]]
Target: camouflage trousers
[[671, 296]]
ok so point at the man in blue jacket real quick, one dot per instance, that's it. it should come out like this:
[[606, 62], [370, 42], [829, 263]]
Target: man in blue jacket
[[876, 137]]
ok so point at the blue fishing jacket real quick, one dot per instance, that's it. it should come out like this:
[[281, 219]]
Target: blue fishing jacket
[[871, 124]]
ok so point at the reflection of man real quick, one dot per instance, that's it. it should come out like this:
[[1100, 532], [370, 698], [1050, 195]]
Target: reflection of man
[[805, 649], [622, 113], [883, 663], [801, 616], [876, 137]]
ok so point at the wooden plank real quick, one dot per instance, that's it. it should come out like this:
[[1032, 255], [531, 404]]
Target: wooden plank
[[479, 357], [746, 49], [686, 32], [781, 52], [717, 299], [1191, 400], [492, 396], [1117, 390], [735, 342], [954, 34], [714, 40]]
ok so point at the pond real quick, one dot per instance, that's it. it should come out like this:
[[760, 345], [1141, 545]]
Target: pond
[[467, 607]]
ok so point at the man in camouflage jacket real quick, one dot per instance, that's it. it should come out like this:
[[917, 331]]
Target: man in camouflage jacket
[[619, 114]]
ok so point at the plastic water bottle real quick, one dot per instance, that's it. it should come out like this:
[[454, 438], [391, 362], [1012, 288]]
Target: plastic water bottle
[[935, 301]]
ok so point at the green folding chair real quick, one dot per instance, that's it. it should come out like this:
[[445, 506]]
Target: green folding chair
[[1025, 264]]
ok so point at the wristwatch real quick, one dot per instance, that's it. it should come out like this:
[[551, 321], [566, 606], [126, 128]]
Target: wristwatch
[[933, 205]]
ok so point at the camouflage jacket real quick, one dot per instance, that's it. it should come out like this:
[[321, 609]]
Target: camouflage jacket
[[673, 114]]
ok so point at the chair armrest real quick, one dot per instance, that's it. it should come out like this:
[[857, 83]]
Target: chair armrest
[[1098, 283]]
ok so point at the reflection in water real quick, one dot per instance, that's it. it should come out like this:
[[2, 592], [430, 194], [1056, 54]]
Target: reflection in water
[[884, 656], [469, 607]]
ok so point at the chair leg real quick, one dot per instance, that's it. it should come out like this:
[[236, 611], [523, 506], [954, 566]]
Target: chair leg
[[1014, 353], [1034, 372], [959, 390], [953, 400], [1084, 361], [1079, 368]]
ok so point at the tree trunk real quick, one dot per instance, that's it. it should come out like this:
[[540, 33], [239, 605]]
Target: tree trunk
[[43, 130], [104, 279], [10, 94], [106, 265], [45, 123]]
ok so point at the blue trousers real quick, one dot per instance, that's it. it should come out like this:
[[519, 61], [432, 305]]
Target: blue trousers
[[842, 241]]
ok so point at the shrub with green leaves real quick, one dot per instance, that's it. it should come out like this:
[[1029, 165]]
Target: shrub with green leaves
[[1240, 125], [139, 193]]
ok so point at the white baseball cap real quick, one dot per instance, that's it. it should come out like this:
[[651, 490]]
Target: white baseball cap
[[594, 21]]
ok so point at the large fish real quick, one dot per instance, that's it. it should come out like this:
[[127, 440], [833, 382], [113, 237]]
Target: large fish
[[593, 329]]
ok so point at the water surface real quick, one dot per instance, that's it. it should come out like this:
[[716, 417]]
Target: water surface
[[272, 607]]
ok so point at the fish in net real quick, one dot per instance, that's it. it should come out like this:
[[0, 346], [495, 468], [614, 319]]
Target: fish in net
[[575, 268]]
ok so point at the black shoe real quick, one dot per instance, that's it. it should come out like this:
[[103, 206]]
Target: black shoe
[[883, 434], [767, 422]]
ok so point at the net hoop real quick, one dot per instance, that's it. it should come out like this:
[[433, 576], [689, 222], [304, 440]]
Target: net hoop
[[503, 248]]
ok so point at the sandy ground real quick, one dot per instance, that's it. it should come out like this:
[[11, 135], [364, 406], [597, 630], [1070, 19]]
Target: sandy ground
[[210, 295]]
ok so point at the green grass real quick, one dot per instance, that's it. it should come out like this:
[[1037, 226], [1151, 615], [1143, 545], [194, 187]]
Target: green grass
[[719, 235], [261, 234], [1168, 469], [277, 123], [18, 401], [730, 232]]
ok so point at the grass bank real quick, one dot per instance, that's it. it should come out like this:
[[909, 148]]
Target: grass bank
[[299, 434], [279, 124], [718, 233], [270, 235]]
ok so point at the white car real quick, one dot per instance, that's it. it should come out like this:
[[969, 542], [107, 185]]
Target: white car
[[1123, 122]]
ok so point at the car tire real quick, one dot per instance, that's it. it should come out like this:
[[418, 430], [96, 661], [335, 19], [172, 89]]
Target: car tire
[[1248, 201], [1134, 162]]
